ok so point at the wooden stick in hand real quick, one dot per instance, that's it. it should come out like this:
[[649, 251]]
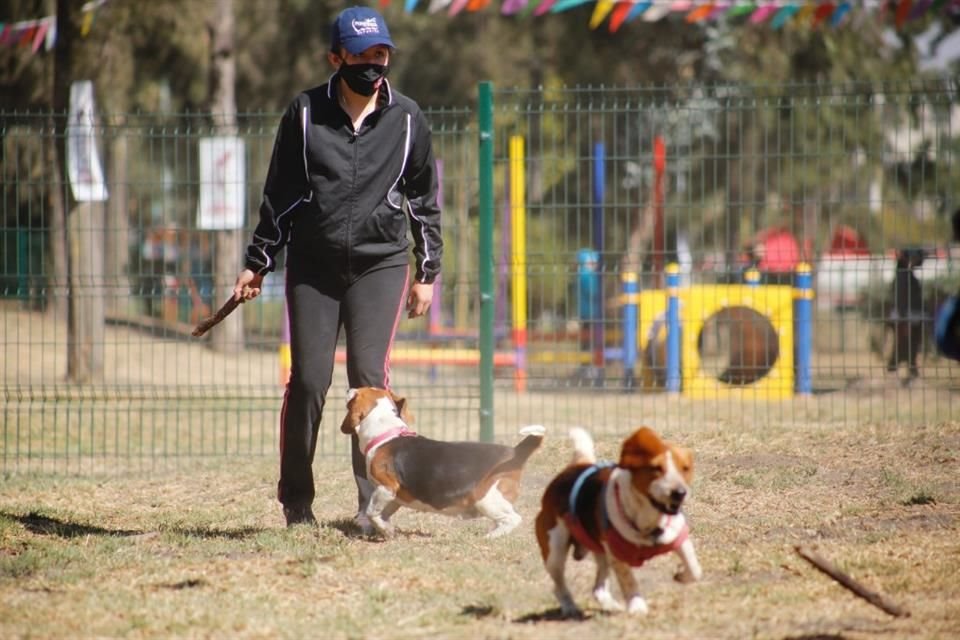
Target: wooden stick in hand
[[216, 318]]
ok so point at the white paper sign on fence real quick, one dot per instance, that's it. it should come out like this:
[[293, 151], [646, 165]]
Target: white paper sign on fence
[[83, 161], [222, 183]]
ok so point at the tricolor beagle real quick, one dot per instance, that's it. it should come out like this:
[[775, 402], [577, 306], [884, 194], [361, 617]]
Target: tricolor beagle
[[624, 513], [465, 479]]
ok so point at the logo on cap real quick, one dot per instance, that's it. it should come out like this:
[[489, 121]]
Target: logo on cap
[[365, 27]]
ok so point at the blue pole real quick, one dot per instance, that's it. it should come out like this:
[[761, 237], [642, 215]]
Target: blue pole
[[599, 180], [629, 328], [673, 327], [803, 328]]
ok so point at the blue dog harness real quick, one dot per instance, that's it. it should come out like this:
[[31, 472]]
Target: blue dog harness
[[622, 549]]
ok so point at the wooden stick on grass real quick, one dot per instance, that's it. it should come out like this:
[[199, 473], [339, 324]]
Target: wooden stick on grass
[[216, 318], [872, 597]]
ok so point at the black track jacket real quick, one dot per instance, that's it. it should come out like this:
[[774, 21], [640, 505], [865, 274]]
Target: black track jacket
[[340, 198]]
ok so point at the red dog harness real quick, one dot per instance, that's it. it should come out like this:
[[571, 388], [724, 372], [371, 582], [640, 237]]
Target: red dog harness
[[622, 549]]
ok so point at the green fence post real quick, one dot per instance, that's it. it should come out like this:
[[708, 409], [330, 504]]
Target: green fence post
[[485, 117]]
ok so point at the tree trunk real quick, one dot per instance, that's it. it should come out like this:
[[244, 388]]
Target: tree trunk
[[223, 111], [117, 247]]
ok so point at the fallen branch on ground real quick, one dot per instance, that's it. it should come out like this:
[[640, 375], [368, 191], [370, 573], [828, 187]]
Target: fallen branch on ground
[[872, 597]]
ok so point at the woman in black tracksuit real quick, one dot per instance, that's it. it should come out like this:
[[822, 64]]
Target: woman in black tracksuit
[[352, 169]]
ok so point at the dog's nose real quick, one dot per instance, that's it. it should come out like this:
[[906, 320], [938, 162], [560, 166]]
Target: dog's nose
[[677, 495]]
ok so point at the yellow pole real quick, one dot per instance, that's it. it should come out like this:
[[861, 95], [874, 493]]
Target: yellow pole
[[518, 259]]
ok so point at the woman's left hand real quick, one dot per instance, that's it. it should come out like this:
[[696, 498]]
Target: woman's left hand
[[419, 299]]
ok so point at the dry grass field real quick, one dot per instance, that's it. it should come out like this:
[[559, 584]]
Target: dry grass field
[[159, 519], [201, 551]]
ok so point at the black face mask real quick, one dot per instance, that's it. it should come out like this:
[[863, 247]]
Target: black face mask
[[362, 78]]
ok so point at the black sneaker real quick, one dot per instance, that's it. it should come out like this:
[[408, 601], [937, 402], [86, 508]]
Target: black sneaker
[[299, 515]]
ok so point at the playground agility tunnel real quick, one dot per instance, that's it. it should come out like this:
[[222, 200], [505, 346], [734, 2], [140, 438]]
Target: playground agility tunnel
[[761, 334]]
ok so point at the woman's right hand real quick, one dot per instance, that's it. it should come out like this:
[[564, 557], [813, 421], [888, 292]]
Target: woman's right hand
[[248, 286]]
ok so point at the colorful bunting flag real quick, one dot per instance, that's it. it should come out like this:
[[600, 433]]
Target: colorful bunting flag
[[903, 10], [822, 13], [700, 14], [839, 14], [438, 5], [564, 5], [42, 32], [600, 12], [656, 13], [783, 16]]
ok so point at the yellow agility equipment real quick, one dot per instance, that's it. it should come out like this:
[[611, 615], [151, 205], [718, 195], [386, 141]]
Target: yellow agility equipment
[[699, 305]]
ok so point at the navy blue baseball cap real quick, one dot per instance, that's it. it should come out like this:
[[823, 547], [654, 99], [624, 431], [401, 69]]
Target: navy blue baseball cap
[[357, 29]]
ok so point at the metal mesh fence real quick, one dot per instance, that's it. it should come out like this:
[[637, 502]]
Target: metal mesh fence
[[598, 191]]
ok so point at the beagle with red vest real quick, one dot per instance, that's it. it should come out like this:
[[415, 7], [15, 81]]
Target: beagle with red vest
[[464, 479], [623, 513]]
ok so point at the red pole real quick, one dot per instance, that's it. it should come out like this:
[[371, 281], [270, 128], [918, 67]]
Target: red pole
[[659, 168]]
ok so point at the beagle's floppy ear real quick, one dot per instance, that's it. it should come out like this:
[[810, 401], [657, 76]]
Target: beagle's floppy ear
[[402, 409], [683, 458], [352, 419], [349, 424]]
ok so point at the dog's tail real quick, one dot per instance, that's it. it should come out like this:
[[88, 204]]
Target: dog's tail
[[533, 436], [583, 451]]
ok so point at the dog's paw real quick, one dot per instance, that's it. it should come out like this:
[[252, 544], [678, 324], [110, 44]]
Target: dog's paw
[[363, 521], [637, 606], [606, 600], [384, 528], [685, 577]]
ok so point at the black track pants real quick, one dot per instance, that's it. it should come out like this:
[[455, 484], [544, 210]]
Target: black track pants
[[368, 308]]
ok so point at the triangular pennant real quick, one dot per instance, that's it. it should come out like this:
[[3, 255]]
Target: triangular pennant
[[456, 7], [477, 5], [700, 13], [741, 8], [638, 9], [409, 5], [806, 12], [600, 12], [903, 10], [41, 35], [719, 8], [26, 36], [619, 15], [563, 5], [543, 7], [823, 12], [681, 6], [511, 7], [656, 12], [783, 16], [384, 4], [840, 12], [761, 14], [51, 41], [438, 5], [87, 23]]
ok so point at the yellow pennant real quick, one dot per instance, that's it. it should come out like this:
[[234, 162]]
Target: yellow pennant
[[600, 12]]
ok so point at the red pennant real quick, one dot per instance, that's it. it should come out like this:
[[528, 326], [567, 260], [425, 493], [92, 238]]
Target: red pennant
[[618, 15], [823, 12], [903, 10]]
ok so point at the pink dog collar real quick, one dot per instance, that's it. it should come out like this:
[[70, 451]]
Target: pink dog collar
[[397, 432]]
